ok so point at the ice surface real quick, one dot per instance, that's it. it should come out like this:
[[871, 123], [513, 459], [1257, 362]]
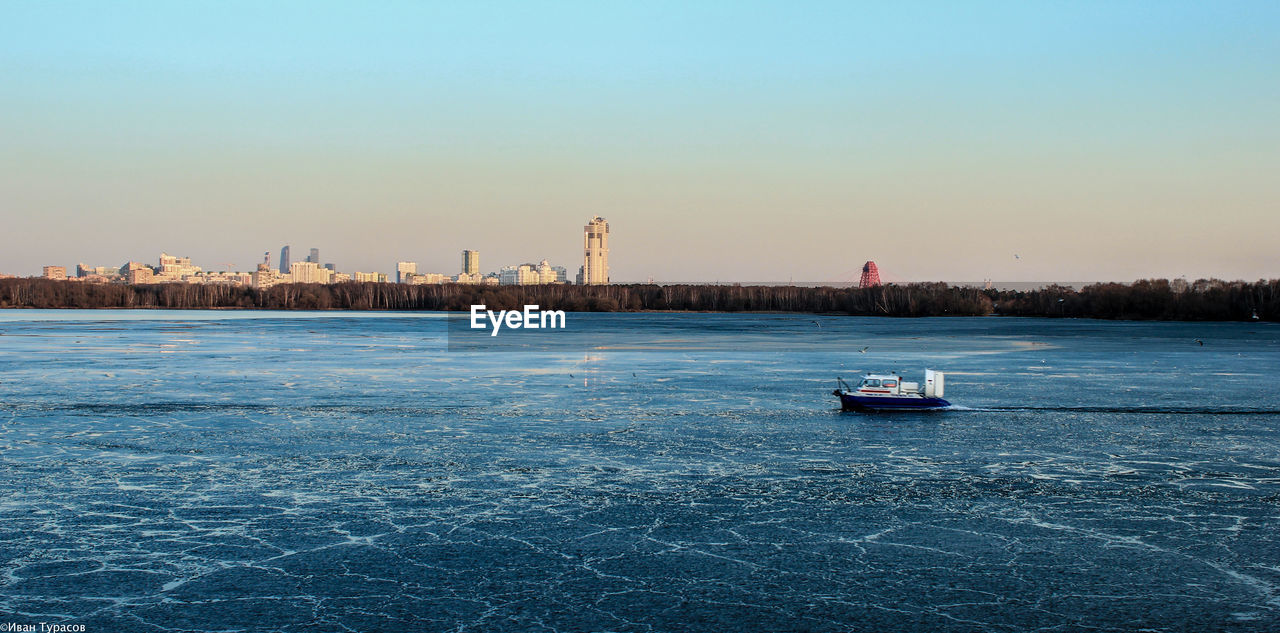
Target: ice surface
[[347, 472]]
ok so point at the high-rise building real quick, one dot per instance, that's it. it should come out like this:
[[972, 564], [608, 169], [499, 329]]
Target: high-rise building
[[97, 273], [314, 257], [137, 273], [369, 277], [174, 268], [55, 272], [524, 274], [264, 277], [470, 262], [595, 258], [427, 278], [404, 269], [530, 274], [284, 258], [309, 273], [172, 264], [141, 276], [547, 274]]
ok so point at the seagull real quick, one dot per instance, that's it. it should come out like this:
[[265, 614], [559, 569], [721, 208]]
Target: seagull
[[1017, 256], [863, 350], [817, 324], [1200, 342]]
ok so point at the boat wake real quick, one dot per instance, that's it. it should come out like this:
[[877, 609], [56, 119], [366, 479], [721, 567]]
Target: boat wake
[[1121, 409]]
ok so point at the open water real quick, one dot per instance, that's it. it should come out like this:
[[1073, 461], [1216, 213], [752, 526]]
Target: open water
[[266, 471]]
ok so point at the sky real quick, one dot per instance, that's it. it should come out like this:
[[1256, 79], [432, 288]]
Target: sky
[[723, 141]]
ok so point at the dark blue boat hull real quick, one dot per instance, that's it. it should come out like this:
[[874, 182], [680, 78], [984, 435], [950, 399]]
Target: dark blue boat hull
[[853, 402]]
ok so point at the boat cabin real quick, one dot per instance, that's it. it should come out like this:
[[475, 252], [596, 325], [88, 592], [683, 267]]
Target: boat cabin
[[890, 384]]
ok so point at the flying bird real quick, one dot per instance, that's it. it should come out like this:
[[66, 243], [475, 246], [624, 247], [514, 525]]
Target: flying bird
[[863, 350], [1200, 342]]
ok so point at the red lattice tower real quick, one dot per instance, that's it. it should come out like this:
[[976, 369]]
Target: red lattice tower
[[870, 276]]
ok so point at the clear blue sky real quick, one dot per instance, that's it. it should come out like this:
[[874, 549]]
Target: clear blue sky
[[723, 140]]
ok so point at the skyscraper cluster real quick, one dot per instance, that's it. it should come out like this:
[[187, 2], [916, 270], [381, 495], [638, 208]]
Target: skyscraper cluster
[[594, 269], [173, 269]]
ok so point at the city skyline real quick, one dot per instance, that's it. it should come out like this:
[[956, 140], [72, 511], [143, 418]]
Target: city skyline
[[752, 141], [181, 269], [392, 272]]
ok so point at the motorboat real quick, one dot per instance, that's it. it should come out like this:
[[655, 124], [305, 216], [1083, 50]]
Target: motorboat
[[878, 392]]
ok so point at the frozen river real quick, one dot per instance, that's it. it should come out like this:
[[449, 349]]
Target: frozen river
[[269, 471]]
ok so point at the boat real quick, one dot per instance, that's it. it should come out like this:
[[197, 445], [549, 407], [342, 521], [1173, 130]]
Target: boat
[[879, 392]]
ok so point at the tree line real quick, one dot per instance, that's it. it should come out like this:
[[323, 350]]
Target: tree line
[[1148, 299], [910, 300], [1203, 300]]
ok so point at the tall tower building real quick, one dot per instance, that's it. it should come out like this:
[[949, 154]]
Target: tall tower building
[[595, 258], [470, 262], [404, 269], [314, 257], [284, 258]]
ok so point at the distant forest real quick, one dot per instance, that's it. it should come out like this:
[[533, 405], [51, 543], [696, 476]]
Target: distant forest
[[1205, 300], [1148, 299]]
